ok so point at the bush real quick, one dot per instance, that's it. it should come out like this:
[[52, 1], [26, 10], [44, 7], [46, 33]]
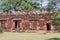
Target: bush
[[57, 28], [1, 30]]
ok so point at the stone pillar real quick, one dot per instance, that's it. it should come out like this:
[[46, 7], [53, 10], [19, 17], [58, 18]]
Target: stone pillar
[[12, 25], [45, 27], [7, 24], [38, 27], [0, 23], [20, 28], [30, 26], [52, 27]]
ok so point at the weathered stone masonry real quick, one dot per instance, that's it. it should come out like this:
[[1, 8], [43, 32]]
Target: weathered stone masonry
[[17, 22]]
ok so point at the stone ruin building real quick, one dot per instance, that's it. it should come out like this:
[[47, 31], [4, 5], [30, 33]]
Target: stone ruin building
[[26, 21]]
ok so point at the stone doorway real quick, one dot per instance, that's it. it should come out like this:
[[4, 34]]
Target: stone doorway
[[17, 24], [48, 26]]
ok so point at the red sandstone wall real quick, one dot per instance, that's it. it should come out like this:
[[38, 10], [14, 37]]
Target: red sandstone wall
[[35, 22]]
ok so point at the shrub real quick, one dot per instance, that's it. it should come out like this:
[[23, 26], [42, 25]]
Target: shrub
[[57, 28], [1, 30]]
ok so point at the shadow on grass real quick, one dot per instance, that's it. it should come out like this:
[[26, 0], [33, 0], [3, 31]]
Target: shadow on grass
[[54, 39]]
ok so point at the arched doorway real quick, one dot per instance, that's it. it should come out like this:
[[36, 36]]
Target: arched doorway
[[48, 26]]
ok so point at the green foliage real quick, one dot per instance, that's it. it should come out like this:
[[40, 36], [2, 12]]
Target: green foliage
[[56, 18], [51, 5], [1, 30], [54, 39], [8, 5]]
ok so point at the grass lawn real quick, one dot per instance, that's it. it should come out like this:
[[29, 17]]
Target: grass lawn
[[28, 36]]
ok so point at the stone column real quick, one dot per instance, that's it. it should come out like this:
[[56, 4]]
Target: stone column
[[12, 25], [45, 27], [0, 24], [52, 28], [38, 27], [30, 26], [7, 24]]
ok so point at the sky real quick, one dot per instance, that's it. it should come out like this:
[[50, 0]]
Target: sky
[[46, 2], [58, 5]]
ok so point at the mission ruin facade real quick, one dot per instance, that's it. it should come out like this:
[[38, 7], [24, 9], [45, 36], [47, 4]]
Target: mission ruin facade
[[23, 21]]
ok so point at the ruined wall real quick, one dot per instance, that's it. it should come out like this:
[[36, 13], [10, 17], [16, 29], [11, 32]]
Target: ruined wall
[[26, 21]]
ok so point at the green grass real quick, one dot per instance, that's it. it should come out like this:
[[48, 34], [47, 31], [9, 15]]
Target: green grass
[[28, 36]]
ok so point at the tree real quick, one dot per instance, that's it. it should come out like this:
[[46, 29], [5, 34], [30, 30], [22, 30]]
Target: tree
[[4, 6], [16, 5], [56, 18], [51, 5], [41, 4]]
